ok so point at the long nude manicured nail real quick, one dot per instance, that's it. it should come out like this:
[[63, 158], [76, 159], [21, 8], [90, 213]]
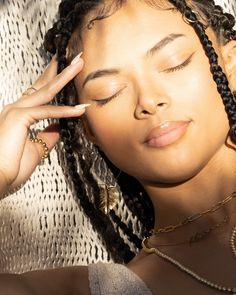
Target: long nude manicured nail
[[82, 106], [76, 59]]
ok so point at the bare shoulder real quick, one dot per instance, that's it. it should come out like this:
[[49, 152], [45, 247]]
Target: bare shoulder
[[60, 281]]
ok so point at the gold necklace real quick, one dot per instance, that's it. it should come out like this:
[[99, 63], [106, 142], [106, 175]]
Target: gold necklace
[[232, 241], [193, 217], [180, 266], [198, 236]]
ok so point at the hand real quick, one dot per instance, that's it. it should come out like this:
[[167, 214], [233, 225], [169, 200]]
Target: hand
[[18, 155]]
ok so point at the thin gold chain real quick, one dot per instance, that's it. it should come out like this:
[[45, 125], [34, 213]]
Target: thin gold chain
[[183, 268], [198, 236], [193, 217]]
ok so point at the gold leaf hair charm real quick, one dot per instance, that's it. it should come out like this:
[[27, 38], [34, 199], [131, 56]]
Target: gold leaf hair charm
[[108, 198]]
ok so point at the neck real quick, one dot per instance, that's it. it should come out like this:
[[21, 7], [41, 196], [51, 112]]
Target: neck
[[174, 203]]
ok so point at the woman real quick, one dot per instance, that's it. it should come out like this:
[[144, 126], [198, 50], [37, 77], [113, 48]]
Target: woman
[[147, 114], [38, 202]]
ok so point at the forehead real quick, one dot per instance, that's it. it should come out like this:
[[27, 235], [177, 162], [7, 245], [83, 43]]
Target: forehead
[[130, 30]]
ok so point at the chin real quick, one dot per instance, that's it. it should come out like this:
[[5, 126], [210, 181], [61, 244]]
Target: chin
[[170, 178]]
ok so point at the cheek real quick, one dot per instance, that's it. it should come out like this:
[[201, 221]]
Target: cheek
[[199, 98], [112, 138], [210, 108], [110, 127]]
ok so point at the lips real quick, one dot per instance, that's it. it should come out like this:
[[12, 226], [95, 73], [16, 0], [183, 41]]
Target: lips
[[166, 133]]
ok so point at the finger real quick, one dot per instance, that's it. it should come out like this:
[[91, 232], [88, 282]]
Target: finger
[[48, 92], [29, 91], [50, 137], [33, 152], [25, 117], [16, 122], [49, 73]]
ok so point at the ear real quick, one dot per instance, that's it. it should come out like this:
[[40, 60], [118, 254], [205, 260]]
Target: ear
[[229, 56], [88, 131]]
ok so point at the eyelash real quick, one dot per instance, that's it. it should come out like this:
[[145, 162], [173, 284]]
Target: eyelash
[[181, 66], [104, 101]]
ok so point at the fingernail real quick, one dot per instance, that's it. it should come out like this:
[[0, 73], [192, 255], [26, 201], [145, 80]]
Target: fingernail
[[82, 106], [76, 59]]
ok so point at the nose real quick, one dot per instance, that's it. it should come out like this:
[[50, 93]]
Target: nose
[[149, 104]]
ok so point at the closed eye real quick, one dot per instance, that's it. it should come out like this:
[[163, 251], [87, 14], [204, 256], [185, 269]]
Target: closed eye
[[179, 67], [103, 101]]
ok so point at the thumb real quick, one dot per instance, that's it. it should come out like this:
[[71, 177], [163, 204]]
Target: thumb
[[40, 146], [50, 136], [35, 152]]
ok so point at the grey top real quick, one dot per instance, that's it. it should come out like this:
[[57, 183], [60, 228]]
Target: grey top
[[115, 279]]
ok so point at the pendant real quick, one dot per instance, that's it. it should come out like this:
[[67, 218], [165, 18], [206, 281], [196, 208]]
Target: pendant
[[109, 197]]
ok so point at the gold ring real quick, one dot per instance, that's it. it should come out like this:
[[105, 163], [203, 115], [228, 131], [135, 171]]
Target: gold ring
[[44, 146], [29, 91]]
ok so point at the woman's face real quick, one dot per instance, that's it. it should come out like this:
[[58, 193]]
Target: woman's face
[[155, 111]]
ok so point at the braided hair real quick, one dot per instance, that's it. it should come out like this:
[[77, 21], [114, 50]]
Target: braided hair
[[86, 164], [222, 24]]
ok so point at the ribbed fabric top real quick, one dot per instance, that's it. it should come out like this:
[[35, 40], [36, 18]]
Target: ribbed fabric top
[[115, 279]]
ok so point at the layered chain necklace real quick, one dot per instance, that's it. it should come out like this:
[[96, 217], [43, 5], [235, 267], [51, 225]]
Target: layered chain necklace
[[180, 266], [233, 241]]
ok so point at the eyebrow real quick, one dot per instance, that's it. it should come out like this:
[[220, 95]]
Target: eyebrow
[[157, 47], [100, 73], [161, 44]]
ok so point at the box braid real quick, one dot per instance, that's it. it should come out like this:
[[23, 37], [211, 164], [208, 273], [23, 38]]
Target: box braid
[[85, 182], [85, 185], [221, 23]]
